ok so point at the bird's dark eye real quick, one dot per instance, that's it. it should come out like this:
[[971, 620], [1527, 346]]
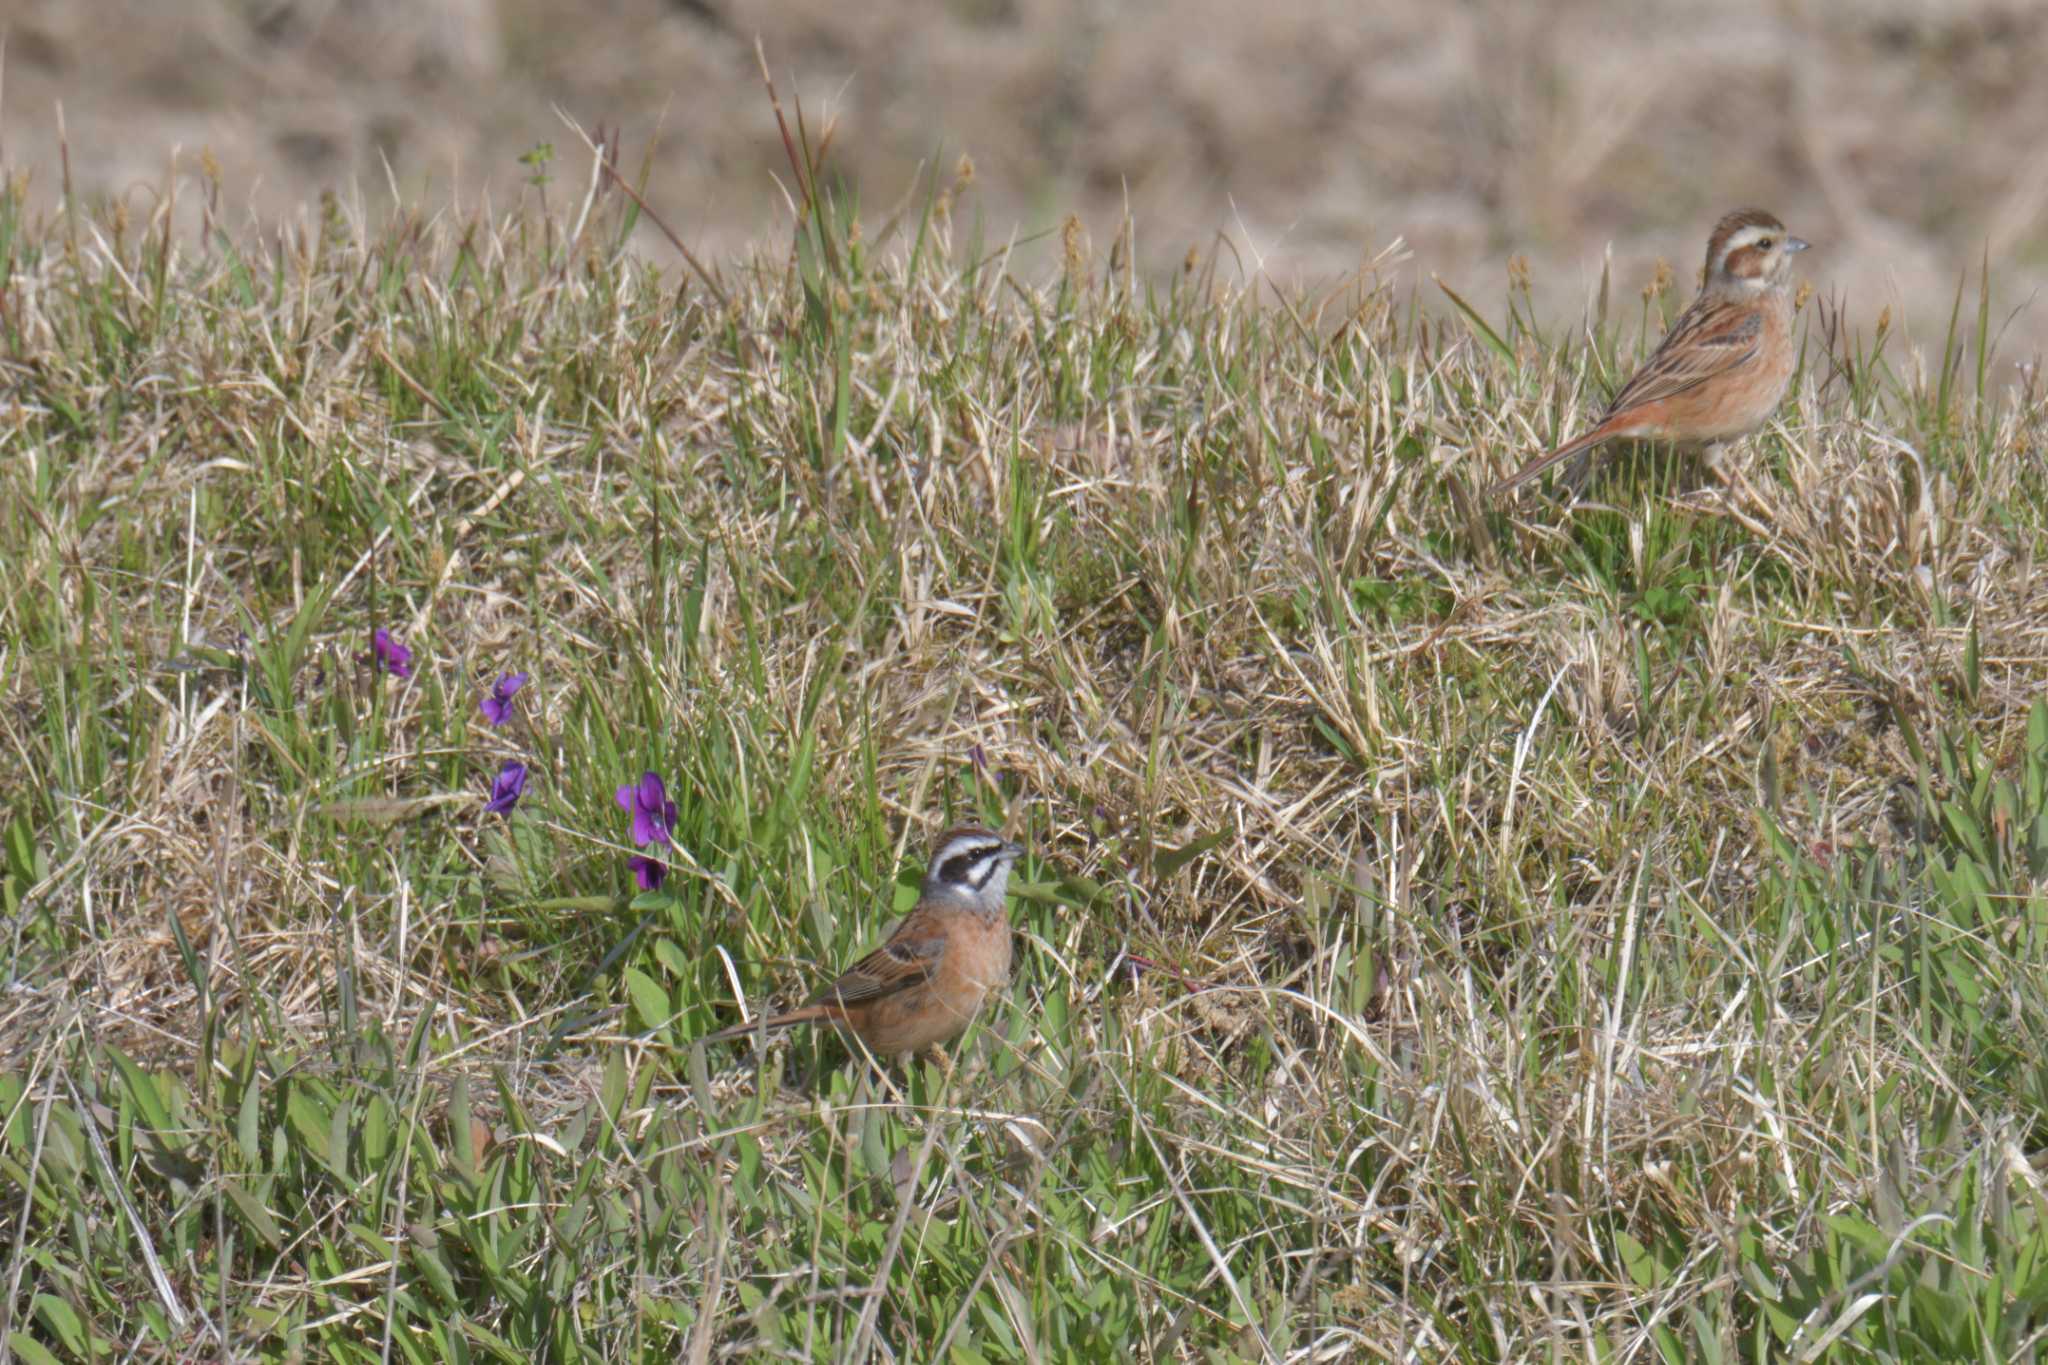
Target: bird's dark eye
[[1764, 243]]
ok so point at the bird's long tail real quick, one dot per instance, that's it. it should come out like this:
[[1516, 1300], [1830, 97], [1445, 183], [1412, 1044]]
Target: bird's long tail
[[1537, 466], [773, 1024]]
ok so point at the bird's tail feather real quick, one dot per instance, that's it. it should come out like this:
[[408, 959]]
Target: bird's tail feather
[[1537, 466], [773, 1024]]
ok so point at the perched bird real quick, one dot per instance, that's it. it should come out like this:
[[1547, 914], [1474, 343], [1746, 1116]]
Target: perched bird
[[1722, 369], [950, 954]]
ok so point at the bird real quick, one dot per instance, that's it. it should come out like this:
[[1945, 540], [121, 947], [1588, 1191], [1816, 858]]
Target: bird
[[935, 972], [1723, 368]]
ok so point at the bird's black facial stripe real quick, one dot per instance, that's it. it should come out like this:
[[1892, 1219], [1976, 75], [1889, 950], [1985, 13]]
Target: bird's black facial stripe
[[972, 866]]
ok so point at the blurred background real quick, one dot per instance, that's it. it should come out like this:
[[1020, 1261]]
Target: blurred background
[[1905, 138]]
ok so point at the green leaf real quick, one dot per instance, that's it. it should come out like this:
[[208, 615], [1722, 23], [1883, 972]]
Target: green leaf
[[27, 1348], [440, 1277], [1973, 671], [63, 1322], [461, 1136], [21, 849], [254, 1215], [611, 1092], [1169, 861], [1864, 1234], [874, 1144], [248, 1117], [650, 1001], [309, 1122], [1644, 1266], [143, 1090]]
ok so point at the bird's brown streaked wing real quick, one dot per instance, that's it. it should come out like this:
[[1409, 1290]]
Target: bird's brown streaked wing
[[1706, 342], [897, 965]]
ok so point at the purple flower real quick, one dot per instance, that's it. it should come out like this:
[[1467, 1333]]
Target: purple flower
[[654, 815], [498, 705], [389, 655], [508, 787], [649, 872]]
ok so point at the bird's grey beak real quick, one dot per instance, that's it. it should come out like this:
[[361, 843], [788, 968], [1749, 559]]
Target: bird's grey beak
[[1796, 244]]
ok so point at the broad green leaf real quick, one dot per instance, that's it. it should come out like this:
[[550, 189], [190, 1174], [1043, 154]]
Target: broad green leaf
[[1169, 861], [253, 1213], [650, 1001], [142, 1088]]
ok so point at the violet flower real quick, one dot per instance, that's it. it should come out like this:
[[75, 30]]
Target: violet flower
[[498, 706], [654, 815], [508, 787], [649, 872], [389, 655]]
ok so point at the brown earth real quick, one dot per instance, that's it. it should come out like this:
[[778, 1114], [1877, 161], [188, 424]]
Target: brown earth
[[1904, 137]]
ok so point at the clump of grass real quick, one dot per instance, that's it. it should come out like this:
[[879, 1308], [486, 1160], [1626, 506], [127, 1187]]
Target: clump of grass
[[1451, 931]]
